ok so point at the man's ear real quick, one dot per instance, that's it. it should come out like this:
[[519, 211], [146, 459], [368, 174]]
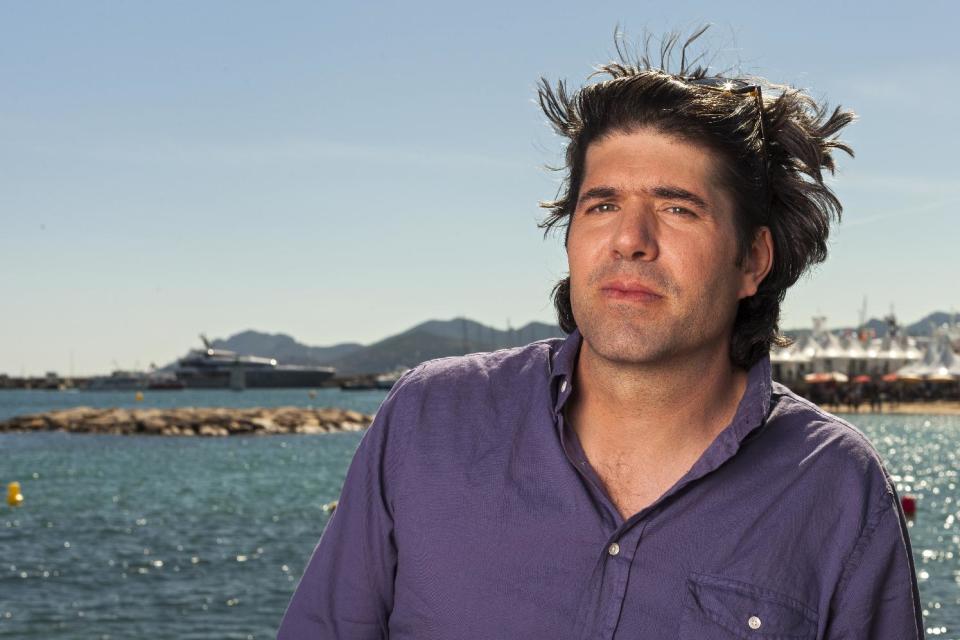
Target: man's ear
[[758, 262]]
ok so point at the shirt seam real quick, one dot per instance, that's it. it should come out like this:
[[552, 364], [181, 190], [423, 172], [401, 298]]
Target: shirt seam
[[470, 356], [853, 562], [403, 438], [826, 415], [402, 443]]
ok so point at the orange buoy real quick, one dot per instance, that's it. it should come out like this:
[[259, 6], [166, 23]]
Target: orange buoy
[[909, 504], [14, 497]]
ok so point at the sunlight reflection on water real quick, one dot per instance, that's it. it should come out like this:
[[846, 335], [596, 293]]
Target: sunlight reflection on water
[[129, 537]]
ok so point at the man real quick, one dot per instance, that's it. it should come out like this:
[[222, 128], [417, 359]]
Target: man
[[642, 478]]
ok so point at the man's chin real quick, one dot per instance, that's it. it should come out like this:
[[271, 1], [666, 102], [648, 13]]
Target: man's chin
[[633, 347]]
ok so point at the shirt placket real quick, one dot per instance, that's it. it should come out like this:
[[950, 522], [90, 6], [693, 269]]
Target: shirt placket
[[617, 556], [621, 557], [607, 590]]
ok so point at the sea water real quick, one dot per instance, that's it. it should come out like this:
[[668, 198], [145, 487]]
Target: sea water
[[142, 537]]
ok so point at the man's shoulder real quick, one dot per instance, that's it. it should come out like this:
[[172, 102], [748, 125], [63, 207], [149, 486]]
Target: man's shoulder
[[527, 363], [811, 421], [815, 436], [446, 403]]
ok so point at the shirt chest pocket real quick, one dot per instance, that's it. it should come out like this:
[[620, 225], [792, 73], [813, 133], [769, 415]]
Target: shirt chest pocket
[[722, 609]]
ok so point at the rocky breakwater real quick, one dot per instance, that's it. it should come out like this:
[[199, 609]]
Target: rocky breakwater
[[190, 421]]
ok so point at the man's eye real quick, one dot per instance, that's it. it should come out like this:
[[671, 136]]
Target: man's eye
[[682, 211], [604, 207]]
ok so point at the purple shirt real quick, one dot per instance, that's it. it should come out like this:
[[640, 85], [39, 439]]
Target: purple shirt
[[470, 511]]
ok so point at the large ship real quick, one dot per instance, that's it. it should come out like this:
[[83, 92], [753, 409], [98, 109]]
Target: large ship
[[212, 368], [133, 381]]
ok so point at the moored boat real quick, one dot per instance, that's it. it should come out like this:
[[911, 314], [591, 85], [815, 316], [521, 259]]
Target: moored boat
[[212, 368]]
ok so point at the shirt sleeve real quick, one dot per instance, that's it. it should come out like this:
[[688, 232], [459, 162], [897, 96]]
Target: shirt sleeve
[[346, 591], [878, 598]]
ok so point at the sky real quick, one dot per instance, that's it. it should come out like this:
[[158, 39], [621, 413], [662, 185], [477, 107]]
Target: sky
[[343, 171]]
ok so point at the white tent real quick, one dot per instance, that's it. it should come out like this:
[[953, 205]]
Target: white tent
[[938, 361]]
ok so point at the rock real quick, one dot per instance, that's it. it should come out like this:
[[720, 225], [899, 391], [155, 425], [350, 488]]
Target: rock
[[34, 423], [120, 419], [277, 429], [328, 415], [58, 421], [310, 429], [212, 430], [289, 418], [152, 425], [355, 416], [261, 424]]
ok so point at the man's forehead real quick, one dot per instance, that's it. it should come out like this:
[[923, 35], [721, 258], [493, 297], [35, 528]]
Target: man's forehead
[[647, 160]]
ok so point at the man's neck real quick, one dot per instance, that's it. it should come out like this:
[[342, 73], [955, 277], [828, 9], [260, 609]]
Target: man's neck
[[654, 407]]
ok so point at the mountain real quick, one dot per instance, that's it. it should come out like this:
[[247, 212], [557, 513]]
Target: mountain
[[937, 318], [283, 348], [438, 339], [425, 341], [470, 331], [880, 327]]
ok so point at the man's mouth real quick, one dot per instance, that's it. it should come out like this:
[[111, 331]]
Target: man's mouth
[[629, 290]]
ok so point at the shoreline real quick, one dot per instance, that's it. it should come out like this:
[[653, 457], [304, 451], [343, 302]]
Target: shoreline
[[937, 408]]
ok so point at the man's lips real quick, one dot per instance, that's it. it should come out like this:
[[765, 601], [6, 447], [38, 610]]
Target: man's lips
[[627, 290]]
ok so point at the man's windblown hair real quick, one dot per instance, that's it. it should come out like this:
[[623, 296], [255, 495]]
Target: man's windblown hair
[[772, 168]]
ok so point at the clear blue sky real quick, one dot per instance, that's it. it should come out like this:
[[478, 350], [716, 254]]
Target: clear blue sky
[[341, 171]]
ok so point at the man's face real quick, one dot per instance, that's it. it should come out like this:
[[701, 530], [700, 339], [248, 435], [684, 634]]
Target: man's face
[[652, 251]]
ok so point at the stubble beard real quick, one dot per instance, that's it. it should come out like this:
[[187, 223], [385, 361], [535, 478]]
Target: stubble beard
[[654, 334], [624, 332], [626, 336]]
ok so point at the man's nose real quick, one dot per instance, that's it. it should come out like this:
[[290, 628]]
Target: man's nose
[[636, 235]]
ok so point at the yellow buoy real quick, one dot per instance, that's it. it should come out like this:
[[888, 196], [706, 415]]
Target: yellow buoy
[[139, 396], [14, 497]]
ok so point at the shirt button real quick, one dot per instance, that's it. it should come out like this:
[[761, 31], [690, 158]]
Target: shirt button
[[754, 622], [563, 386], [613, 549]]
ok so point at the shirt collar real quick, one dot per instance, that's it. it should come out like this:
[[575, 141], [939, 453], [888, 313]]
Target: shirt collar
[[751, 412]]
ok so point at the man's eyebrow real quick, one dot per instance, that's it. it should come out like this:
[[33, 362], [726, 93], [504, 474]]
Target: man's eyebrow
[[679, 193], [670, 192], [598, 193]]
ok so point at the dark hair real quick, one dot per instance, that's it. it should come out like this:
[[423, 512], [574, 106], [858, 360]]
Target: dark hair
[[773, 173]]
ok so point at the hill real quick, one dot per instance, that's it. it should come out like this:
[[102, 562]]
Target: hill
[[425, 341], [438, 339], [880, 327], [283, 348]]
